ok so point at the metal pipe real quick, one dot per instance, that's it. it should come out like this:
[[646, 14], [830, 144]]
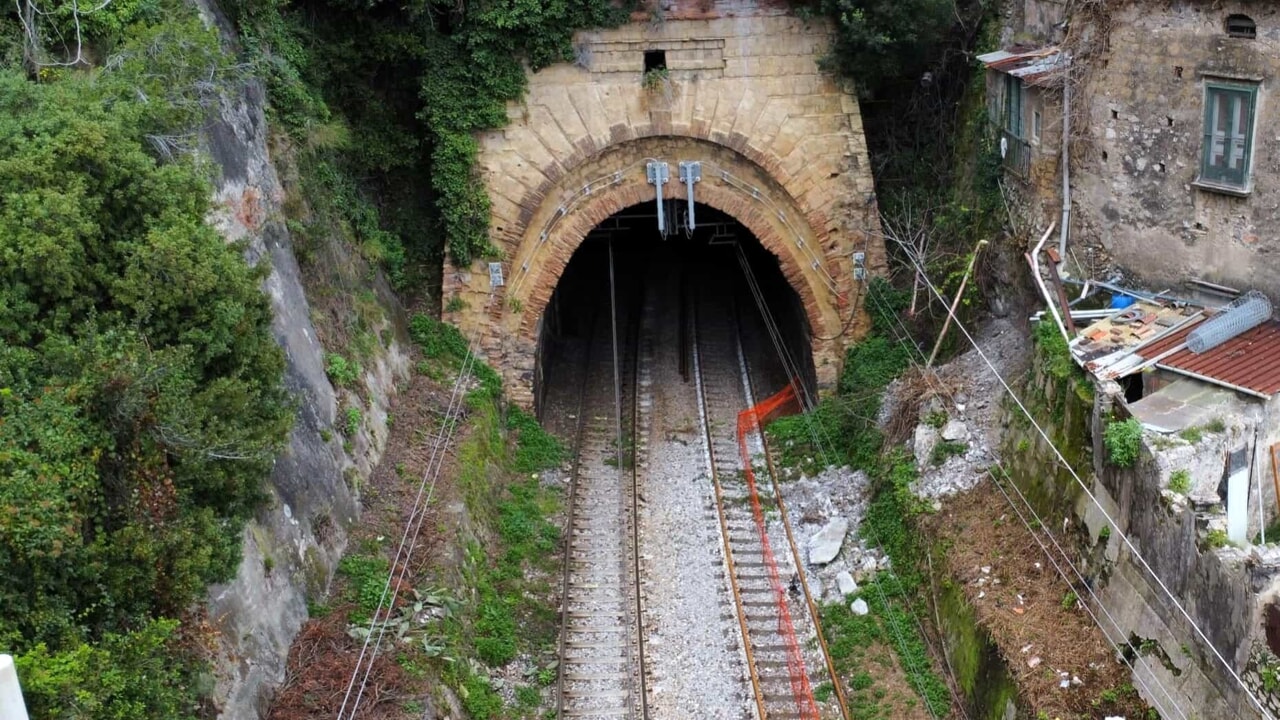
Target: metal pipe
[[11, 704], [1066, 163], [1035, 271]]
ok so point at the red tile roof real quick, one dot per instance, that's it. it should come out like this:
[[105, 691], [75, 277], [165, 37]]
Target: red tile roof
[[1249, 361]]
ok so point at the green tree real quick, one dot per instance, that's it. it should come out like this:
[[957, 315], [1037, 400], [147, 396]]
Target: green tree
[[141, 402]]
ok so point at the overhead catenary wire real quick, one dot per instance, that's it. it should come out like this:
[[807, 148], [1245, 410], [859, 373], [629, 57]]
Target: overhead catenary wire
[[928, 375], [913, 350], [422, 500], [1124, 537], [792, 370]]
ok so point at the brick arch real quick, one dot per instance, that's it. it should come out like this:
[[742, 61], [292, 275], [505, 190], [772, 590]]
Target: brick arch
[[571, 231]]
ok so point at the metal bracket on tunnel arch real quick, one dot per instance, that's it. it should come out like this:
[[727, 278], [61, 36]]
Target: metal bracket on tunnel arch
[[690, 174], [658, 174]]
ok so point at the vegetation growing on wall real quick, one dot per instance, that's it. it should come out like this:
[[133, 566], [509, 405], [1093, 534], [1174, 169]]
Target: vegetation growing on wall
[[932, 154], [141, 402], [409, 85]]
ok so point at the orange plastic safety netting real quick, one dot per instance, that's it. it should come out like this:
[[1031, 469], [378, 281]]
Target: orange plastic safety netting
[[750, 421]]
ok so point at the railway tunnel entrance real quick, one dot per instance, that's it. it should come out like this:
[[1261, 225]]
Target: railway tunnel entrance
[[670, 275]]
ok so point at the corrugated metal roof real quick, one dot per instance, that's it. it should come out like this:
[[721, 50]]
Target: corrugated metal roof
[[1249, 362], [1036, 66]]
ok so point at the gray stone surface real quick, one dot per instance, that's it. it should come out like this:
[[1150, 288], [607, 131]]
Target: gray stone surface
[[846, 583], [302, 528], [825, 545], [955, 431]]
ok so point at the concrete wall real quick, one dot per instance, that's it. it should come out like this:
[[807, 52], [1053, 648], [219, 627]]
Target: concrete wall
[[780, 140], [1224, 590]]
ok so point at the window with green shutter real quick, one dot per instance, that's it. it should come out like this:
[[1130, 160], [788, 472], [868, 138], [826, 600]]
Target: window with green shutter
[[1228, 134], [1013, 105]]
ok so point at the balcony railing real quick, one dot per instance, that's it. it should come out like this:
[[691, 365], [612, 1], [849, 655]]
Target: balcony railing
[[1015, 153]]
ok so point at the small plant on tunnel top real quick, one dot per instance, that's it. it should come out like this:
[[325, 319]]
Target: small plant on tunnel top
[[1216, 425], [1124, 442], [1180, 481], [1192, 435], [936, 419], [655, 78]]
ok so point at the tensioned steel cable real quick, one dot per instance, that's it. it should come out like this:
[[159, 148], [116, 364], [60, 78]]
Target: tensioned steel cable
[[929, 377], [430, 475], [1083, 486]]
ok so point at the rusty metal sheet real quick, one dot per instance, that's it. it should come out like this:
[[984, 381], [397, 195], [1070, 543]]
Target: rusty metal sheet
[[1249, 362]]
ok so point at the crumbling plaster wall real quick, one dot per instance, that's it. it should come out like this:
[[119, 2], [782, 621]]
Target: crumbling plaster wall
[[1133, 192], [1224, 590]]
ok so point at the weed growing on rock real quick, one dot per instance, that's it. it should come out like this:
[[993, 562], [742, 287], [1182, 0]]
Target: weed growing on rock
[[946, 449], [1180, 481], [341, 371], [1124, 442]]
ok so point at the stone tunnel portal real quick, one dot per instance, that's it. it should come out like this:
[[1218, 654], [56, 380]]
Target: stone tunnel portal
[[678, 271]]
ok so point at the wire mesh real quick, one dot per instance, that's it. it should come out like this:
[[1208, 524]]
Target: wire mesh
[[1243, 314]]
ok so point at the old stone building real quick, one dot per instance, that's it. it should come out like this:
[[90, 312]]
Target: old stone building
[[1172, 183], [1174, 150], [734, 85]]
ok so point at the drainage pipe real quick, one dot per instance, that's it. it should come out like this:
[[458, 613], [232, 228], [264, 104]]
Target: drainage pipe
[[1033, 258], [1064, 229]]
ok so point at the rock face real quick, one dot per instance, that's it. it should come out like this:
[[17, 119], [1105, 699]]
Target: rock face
[[291, 548], [825, 545]]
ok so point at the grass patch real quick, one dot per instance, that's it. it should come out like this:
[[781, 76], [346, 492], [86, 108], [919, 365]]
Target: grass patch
[[946, 449], [1192, 435], [536, 449], [366, 579], [1180, 481]]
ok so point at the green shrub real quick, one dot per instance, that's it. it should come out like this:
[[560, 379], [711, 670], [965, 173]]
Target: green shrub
[[1192, 435], [140, 386], [352, 417], [366, 579], [1180, 481], [340, 370], [1216, 538], [1124, 442], [536, 449], [946, 449]]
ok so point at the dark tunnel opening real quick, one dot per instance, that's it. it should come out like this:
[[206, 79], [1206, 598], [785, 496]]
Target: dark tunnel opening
[[719, 257]]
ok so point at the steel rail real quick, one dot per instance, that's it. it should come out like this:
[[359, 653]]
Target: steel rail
[[724, 523]]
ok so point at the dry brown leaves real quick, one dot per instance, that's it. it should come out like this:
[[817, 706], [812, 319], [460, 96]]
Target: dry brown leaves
[[1021, 606]]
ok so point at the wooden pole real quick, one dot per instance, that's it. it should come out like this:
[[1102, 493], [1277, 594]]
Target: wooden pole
[[954, 303]]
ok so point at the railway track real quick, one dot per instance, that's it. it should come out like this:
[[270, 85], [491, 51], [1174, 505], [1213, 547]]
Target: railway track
[[776, 625], [601, 642]]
